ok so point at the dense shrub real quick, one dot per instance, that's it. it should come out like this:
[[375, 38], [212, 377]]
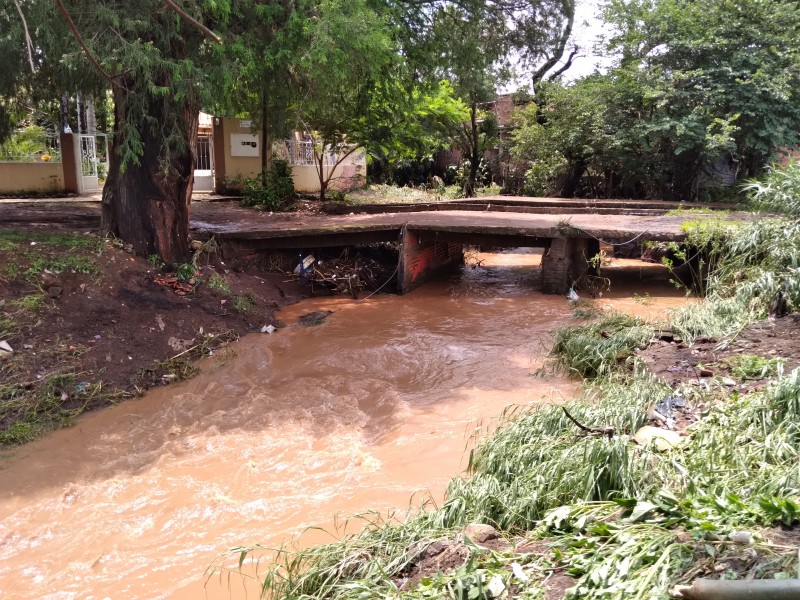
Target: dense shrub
[[274, 191]]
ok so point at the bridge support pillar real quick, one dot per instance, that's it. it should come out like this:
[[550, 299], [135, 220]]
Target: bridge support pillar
[[423, 256], [565, 261]]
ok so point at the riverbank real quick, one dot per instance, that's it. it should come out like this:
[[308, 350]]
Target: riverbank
[[85, 323]]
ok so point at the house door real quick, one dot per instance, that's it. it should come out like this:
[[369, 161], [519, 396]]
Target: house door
[[204, 164]]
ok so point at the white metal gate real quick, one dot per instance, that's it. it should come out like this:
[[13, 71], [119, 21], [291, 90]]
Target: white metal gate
[[92, 150], [204, 164]]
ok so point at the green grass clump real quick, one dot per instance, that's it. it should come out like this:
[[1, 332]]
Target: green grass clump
[[596, 349], [217, 282], [55, 402], [778, 191], [32, 302], [751, 366], [244, 304]]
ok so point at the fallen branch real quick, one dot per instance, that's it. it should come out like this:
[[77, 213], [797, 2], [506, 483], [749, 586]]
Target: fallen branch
[[608, 431], [756, 589]]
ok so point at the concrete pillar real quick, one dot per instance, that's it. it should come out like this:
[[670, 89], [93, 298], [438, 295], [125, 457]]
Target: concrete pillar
[[423, 257], [218, 136], [69, 163], [565, 262]]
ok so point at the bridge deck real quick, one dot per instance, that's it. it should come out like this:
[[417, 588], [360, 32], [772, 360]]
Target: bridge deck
[[611, 228]]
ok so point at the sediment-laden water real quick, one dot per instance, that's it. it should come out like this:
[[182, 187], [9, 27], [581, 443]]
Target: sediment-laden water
[[285, 431]]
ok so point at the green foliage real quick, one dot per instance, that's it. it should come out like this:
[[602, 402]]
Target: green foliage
[[273, 191], [217, 282], [748, 366], [244, 304], [701, 93], [185, 271], [756, 266], [155, 260], [596, 349], [778, 190]]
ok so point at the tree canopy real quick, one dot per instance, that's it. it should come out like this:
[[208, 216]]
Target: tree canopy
[[700, 93]]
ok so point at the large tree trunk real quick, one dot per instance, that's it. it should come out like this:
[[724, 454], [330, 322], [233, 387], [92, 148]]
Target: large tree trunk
[[147, 204]]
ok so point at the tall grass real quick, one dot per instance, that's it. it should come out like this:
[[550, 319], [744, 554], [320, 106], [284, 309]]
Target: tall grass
[[778, 191], [759, 266], [597, 348]]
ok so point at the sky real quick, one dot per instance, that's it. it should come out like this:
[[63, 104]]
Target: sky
[[588, 26]]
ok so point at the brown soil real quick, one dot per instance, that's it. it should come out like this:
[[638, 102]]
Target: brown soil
[[117, 326], [707, 360]]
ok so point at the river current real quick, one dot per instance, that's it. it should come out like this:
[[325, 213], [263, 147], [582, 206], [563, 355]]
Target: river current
[[286, 431]]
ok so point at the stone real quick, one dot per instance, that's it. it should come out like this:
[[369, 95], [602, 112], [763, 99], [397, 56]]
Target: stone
[[480, 533], [664, 439], [54, 291]]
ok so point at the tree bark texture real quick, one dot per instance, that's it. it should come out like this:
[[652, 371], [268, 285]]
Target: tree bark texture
[[147, 204]]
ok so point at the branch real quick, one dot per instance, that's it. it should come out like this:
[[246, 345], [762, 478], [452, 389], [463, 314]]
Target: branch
[[566, 65], [192, 21], [28, 41], [609, 431], [77, 35], [561, 45]]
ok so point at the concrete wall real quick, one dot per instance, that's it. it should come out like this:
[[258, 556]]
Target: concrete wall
[[423, 257], [38, 177]]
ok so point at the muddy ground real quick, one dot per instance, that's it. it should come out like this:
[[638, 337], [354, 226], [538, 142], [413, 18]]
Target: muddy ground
[[89, 323]]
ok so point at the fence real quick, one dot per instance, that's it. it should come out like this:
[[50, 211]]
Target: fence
[[31, 147], [301, 153]]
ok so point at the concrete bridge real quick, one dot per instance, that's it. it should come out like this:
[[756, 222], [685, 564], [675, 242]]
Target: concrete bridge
[[433, 241]]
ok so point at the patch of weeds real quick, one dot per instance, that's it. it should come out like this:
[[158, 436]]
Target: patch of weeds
[[155, 260], [11, 271], [752, 366], [696, 211], [59, 264], [217, 282], [31, 302], [185, 271], [244, 304], [645, 300], [28, 412], [8, 327], [182, 366], [585, 309]]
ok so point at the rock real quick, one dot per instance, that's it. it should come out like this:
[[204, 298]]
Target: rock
[[196, 244], [54, 291], [728, 381], [480, 533], [663, 439], [314, 318], [706, 373]]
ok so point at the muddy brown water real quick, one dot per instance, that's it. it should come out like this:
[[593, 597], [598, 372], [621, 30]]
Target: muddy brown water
[[285, 431]]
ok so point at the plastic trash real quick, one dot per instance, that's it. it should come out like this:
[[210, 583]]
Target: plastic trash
[[572, 295], [303, 268], [268, 329]]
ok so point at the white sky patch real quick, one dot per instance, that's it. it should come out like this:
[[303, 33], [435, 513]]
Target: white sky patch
[[587, 34]]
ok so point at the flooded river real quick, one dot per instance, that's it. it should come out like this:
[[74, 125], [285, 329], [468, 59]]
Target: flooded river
[[284, 431]]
